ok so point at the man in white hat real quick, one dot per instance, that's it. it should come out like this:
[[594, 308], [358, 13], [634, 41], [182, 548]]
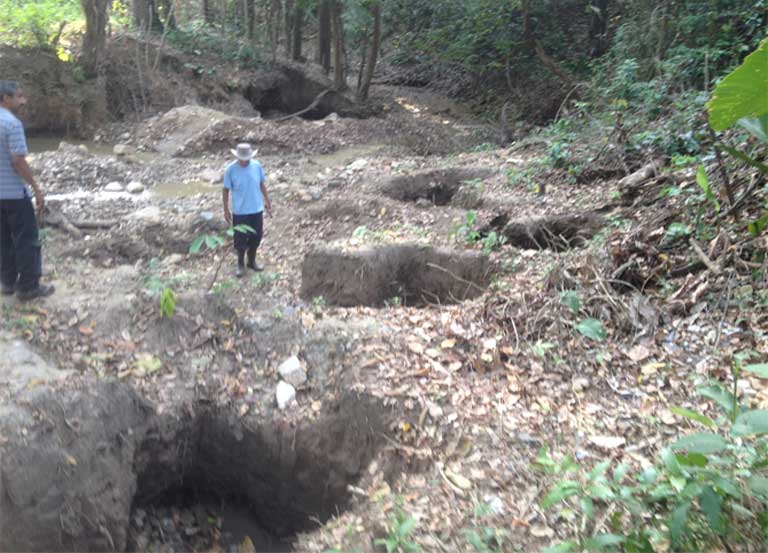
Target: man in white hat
[[244, 178]]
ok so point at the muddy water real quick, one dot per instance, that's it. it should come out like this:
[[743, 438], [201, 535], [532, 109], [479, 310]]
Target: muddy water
[[184, 189]]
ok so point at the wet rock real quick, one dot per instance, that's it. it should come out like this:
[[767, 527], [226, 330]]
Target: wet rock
[[114, 186], [79, 149], [358, 165], [292, 372], [150, 214], [315, 193], [122, 149], [135, 187], [285, 394]]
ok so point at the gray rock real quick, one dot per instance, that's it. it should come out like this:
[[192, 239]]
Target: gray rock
[[122, 149], [292, 372], [135, 187], [114, 186]]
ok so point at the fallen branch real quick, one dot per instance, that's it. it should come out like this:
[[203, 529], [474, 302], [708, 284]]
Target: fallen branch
[[704, 258], [641, 175], [310, 107]]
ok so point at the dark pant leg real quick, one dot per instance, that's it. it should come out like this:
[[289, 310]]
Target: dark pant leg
[[248, 240], [8, 272], [26, 240]]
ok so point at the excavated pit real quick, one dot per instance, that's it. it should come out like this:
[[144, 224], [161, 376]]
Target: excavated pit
[[218, 480], [293, 91], [410, 275], [94, 467], [556, 232], [440, 187]]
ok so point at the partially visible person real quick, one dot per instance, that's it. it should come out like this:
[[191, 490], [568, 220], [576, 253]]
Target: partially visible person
[[244, 179], [20, 257]]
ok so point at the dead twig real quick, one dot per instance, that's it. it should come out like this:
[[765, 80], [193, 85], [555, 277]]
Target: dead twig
[[704, 258], [310, 107]]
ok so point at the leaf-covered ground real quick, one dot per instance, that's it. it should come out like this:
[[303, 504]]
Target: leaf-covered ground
[[583, 348]]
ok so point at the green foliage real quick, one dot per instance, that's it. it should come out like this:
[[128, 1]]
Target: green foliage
[[467, 231], [707, 486], [213, 241], [319, 303], [398, 538], [571, 299], [742, 93], [167, 303], [265, 279], [199, 38], [36, 22], [493, 241], [703, 181], [592, 329], [482, 537]]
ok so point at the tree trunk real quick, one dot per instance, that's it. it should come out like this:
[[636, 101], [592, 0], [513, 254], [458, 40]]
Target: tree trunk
[[339, 80], [324, 34], [145, 16], [373, 53], [298, 34], [251, 16], [289, 7], [206, 7], [598, 27], [96, 15], [274, 27]]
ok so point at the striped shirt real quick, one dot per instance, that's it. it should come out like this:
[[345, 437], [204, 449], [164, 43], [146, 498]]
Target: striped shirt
[[12, 143]]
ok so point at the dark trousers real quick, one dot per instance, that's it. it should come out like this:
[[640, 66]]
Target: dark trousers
[[20, 259], [249, 240]]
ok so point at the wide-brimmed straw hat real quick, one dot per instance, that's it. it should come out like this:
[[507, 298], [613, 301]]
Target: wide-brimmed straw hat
[[244, 152]]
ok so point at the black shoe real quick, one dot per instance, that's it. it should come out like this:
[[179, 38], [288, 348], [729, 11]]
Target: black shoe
[[240, 271], [7, 290], [255, 267], [41, 291]]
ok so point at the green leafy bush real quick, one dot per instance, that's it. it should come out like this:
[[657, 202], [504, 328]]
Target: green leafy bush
[[36, 22], [706, 488]]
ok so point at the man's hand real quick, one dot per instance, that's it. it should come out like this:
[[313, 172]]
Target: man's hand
[[39, 201], [228, 217], [268, 205]]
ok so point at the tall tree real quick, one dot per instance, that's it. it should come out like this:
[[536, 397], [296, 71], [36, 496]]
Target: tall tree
[[598, 27], [373, 52], [324, 34], [145, 15], [206, 9], [297, 30], [289, 8], [96, 16], [337, 25]]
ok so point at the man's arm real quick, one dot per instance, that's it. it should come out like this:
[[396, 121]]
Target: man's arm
[[23, 169], [225, 201], [267, 203]]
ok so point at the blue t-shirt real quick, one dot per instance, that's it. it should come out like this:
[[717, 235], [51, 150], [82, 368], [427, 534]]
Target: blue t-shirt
[[12, 143], [245, 186]]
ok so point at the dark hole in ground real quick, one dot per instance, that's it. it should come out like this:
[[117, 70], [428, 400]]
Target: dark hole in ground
[[556, 232], [410, 274], [436, 186], [293, 91], [213, 479]]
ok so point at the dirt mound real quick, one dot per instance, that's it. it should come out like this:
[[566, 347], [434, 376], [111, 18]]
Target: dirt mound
[[408, 275], [57, 102]]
